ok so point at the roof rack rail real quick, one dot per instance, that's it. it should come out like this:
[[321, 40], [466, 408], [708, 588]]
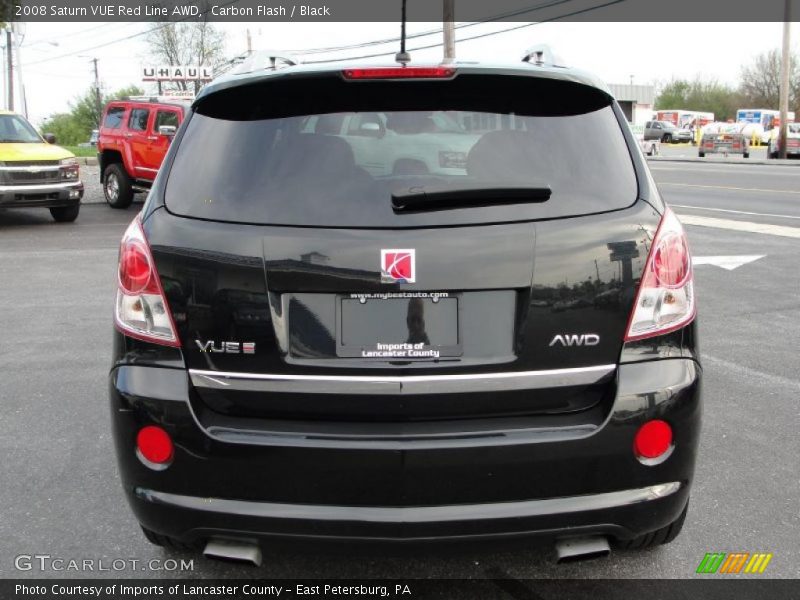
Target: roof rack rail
[[542, 55], [266, 60], [163, 99]]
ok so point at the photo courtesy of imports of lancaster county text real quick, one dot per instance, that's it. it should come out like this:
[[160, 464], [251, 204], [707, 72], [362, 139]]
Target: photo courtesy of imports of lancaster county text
[[399, 299]]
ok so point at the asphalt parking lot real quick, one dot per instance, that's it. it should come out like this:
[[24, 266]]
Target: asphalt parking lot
[[60, 491]]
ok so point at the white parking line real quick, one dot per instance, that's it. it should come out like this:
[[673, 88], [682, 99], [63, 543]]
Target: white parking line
[[729, 263], [726, 168], [738, 212], [780, 230], [727, 187]]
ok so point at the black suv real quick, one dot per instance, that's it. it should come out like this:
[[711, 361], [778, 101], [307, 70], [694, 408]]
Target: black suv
[[406, 304]]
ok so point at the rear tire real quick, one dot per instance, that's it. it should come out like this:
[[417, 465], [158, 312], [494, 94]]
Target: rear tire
[[166, 542], [655, 538], [117, 186], [746, 155], [65, 214], [701, 154]]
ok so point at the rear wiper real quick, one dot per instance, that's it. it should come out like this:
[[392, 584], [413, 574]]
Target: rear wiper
[[441, 198]]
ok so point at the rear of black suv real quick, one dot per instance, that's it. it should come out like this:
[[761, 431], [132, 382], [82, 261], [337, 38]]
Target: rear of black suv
[[405, 304]]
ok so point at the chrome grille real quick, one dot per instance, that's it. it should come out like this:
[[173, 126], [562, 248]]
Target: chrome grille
[[28, 172]]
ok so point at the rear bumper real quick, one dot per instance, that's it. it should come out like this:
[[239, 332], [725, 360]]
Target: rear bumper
[[545, 481], [46, 195], [612, 513]]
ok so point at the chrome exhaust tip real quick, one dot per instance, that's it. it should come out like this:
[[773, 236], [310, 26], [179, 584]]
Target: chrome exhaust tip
[[583, 548], [238, 551]]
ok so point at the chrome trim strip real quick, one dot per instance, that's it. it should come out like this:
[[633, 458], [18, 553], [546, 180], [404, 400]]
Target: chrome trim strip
[[50, 187], [412, 384], [31, 168], [414, 514]]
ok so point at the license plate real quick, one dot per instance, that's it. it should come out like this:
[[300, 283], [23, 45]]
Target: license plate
[[390, 328]]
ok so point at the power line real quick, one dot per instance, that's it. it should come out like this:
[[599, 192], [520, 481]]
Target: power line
[[109, 27], [475, 37], [392, 40], [129, 37]]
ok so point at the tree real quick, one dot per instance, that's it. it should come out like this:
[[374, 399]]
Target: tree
[[75, 126], [198, 43], [761, 81], [673, 94], [700, 94]]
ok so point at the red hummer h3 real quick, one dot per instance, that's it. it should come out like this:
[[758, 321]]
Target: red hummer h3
[[134, 137]]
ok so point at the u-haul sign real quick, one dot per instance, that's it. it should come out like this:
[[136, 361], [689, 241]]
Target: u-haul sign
[[177, 73]]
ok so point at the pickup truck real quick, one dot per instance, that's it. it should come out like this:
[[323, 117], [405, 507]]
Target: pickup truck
[[133, 139], [34, 172], [397, 143], [666, 132]]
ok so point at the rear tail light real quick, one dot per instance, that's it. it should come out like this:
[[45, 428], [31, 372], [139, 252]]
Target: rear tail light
[[665, 299], [141, 311], [400, 73]]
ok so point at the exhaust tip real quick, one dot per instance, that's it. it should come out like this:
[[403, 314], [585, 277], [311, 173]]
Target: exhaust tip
[[234, 551], [584, 548]]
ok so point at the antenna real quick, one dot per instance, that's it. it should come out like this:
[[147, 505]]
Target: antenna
[[403, 57]]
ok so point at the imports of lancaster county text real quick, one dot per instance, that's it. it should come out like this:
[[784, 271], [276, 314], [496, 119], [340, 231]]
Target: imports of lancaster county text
[[188, 10], [188, 590]]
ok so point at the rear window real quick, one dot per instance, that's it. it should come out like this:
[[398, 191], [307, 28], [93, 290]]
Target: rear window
[[334, 153]]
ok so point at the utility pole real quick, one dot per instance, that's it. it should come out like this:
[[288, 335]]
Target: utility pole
[[97, 101], [448, 19], [9, 46], [5, 94], [784, 97], [249, 44]]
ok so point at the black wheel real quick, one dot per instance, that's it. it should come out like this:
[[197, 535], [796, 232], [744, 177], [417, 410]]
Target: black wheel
[[746, 155], [701, 154], [667, 139], [166, 542], [65, 214], [117, 186], [655, 538]]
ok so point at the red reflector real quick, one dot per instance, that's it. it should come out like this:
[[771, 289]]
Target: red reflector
[[155, 444], [653, 439], [400, 73]]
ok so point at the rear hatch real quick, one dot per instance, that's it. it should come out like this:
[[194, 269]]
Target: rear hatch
[[356, 250]]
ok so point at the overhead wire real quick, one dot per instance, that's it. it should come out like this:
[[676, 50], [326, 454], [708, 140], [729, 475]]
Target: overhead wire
[[474, 37]]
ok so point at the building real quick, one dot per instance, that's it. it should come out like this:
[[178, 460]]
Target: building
[[636, 101]]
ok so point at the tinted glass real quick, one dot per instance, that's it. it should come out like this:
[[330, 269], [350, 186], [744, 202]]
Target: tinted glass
[[340, 169], [138, 119], [114, 116], [164, 117]]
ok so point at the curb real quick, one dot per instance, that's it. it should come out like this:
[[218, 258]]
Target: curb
[[728, 161]]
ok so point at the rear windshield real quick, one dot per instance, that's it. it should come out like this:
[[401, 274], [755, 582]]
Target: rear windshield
[[292, 162]]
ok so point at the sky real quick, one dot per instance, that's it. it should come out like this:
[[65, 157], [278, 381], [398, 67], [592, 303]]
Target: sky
[[56, 57]]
